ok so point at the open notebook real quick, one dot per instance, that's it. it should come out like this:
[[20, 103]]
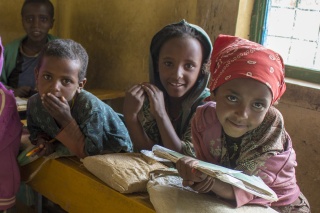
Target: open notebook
[[251, 184]]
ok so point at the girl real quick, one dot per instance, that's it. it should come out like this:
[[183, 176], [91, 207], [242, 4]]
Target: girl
[[10, 135], [242, 130], [159, 112]]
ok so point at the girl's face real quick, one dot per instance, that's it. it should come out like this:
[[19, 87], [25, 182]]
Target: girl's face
[[180, 61], [242, 105], [59, 77], [36, 21]]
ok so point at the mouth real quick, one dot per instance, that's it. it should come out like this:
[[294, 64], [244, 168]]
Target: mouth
[[174, 84], [36, 33], [237, 124]]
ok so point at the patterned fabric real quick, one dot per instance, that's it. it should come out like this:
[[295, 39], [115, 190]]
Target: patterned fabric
[[195, 98], [10, 134], [103, 129], [234, 57], [265, 152]]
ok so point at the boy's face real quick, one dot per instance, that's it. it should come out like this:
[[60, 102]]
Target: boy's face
[[242, 105], [180, 61], [59, 76], [36, 21]]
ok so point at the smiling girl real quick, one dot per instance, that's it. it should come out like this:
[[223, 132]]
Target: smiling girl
[[159, 112], [242, 130]]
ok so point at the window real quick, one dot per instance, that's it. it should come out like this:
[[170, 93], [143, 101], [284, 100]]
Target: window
[[291, 28]]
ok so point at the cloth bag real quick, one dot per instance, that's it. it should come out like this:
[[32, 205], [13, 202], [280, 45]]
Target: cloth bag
[[124, 172], [167, 194]]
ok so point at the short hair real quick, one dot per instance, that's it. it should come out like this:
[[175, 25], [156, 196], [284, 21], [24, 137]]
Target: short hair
[[66, 49], [48, 3]]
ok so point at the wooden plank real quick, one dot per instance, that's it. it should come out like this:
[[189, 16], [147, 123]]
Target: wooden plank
[[105, 94], [66, 182]]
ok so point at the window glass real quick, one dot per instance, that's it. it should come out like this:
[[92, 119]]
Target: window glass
[[293, 31]]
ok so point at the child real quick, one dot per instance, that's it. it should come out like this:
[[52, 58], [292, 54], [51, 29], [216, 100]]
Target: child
[[10, 134], [63, 111], [242, 130], [159, 112], [22, 55]]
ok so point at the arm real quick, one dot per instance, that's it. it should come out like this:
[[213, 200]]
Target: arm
[[70, 134], [169, 137], [201, 182], [133, 103]]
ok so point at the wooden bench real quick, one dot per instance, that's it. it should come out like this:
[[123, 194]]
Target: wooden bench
[[66, 182]]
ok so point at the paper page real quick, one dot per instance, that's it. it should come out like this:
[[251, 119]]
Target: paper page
[[251, 184]]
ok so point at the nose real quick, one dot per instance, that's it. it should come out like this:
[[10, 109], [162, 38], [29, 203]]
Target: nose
[[55, 87], [35, 22], [179, 72], [243, 111]]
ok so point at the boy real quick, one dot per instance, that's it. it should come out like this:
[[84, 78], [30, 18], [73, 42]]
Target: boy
[[64, 111], [21, 55]]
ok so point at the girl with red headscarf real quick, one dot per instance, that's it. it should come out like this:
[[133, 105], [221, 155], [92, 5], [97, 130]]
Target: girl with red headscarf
[[242, 130], [10, 135]]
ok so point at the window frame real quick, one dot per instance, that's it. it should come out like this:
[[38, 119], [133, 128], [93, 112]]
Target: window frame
[[258, 33]]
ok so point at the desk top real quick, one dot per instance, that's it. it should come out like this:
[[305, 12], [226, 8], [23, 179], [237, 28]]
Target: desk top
[[105, 94], [67, 182]]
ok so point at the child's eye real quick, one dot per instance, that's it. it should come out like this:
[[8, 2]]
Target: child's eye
[[189, 66], [43, 19], [47, 77], [258, 105], [168, 63], [66, 81], [28, 19], [232, 98]]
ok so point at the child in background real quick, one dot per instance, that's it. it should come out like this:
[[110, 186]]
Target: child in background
[[242, 130], [64, 111], [159, 112], [10, 135], [22, 55]]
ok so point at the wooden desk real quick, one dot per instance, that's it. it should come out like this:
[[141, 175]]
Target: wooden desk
[[66, 182], [104, 94]]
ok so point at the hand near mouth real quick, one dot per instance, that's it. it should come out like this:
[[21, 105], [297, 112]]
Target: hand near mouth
[[58, 108]]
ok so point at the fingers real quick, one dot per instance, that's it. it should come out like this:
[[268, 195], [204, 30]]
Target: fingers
[[205, 186]]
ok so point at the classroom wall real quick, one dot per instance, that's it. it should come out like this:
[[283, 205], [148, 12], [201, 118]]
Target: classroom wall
[[117, 34]]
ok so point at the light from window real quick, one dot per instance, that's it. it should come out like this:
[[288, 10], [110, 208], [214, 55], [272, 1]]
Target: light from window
[[293, 30]]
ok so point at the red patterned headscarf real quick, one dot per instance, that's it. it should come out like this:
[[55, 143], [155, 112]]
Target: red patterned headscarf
[[234, 57]]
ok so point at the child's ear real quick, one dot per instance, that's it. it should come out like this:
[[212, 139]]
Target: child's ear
[[81, 85], [52, 23]]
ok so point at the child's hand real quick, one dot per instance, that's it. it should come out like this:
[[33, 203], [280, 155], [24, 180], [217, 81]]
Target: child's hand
[[58, 108], [155, 95], [192, 177], [46, 148], [204, 186], [133, 101]]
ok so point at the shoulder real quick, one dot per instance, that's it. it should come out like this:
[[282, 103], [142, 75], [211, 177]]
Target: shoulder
[[205, 115], [13, 44], [86, 102], [52, 37], [274, 117], [34, 100]]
